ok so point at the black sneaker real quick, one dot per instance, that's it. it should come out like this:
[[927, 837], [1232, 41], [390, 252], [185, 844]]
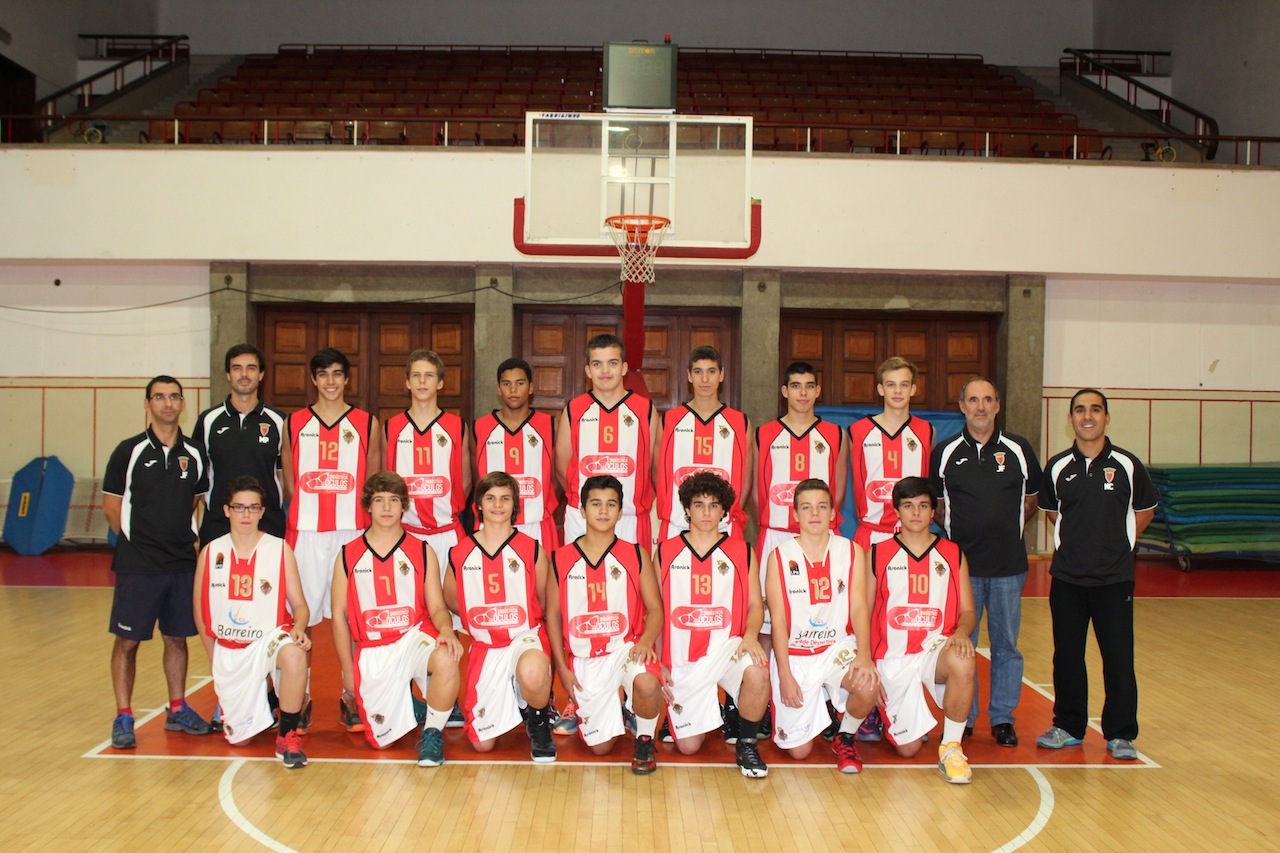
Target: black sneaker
[[542, 747], [349, 713], [664, 731], [185, 720], [644, 761], [431, 748], [749, 760], [829, 733], [732, 720], [766, 724]]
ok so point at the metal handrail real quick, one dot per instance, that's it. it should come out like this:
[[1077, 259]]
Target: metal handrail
[[1204, 127], [47, 107], [310, 49]]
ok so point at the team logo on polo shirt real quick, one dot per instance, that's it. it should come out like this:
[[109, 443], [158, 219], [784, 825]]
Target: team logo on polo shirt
[[265, 433], [184, 461], [1110, 474], [999, 454]]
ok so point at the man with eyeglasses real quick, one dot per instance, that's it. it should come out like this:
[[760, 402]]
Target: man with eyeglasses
[[150, 489]]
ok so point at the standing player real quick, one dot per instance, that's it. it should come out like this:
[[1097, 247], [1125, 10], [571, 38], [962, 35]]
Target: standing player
[[516, 439], [921, 619], [333, 447], [817, 592], [497, 583], [884, 448], [431, 450], [1099, 499], [711, 627], [608, 430], [150, 490], [388, 599], [242, 437], [703, 435], [604, 613], [989, 482], [797, 446], [244, 579]]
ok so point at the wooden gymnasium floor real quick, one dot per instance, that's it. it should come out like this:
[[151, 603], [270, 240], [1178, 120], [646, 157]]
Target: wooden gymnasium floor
[[1207, 668]]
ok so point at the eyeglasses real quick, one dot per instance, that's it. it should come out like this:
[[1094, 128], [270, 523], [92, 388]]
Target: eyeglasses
[[241, 509], [165, 398]]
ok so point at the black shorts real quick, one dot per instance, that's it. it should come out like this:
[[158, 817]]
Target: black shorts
[[141, 600]]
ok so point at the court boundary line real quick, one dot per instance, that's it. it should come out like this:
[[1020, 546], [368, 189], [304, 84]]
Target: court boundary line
[[226, 799], [1041, 819]]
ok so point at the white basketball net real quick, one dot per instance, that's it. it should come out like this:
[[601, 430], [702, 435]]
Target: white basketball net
[[637, 238]]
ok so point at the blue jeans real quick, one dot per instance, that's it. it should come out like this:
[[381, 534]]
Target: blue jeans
[[1002, 599]]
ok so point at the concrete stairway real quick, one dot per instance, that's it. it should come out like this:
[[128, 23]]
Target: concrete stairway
[[1092, 110], [203, 73]]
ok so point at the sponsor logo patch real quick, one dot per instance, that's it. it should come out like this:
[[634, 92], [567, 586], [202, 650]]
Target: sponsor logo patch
[[529, 487], [590, 625], [387, 618], [915, 618], [321, 482], [607, 463], [497, 617], [700, 618], [782, 494], [881, 491], [688, 471], [427, 485]]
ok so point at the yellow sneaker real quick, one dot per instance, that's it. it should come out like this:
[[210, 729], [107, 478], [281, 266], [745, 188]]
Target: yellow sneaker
[[953, 765]]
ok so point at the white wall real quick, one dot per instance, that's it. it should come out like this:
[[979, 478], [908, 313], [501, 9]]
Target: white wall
[[44, 33], [1030, 32], [1224, 54]]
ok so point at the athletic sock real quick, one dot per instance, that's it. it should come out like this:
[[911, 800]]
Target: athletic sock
[[175, 705], [952, 730], [125, 710], [747, 729], [849, 724], [436, 719], [289, 721], [646, 726]]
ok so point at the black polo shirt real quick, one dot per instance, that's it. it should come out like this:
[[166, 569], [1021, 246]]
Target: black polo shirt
[[157, 487], [1096, 501], [983, 487], [241, 445]]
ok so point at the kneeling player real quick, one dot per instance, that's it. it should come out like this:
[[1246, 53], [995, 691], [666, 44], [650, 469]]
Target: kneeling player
[[817, 593], [604, 613], [921, 618], [387, 598], [496, 583], [243, 580], [710, 637]]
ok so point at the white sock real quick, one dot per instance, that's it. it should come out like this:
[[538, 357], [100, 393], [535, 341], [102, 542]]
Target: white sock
[[952, 730], [646, 726], [436, 719], [849, 724]]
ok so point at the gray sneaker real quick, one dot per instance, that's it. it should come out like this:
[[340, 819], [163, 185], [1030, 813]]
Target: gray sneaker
[[122, 736], [1122, 749], [1057, 738]]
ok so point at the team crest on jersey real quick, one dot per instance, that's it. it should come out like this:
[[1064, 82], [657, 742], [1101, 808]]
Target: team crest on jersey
[[265, 586], [724, 431], [839, 586], [230, 731], [793, 567], [938, 568], [184, 461], [722, 566], [615, 573], [911, 444], [441, 440], [533, 440], [513, 564], [264, 429], [348, 436], [403, 567], [818, 446], [678, 708], [378, 719], [999, 454], [627, 420], [480, 713], [1109, 473], [219, 561], [782, 734]]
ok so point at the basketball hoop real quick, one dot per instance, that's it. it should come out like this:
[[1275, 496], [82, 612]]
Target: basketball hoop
[[637, 236]]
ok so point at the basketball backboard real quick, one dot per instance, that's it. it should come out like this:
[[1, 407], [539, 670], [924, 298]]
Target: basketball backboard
[[583, 167]]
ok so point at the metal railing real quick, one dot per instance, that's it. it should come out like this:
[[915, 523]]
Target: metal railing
[[1099, 68], [57, 109]]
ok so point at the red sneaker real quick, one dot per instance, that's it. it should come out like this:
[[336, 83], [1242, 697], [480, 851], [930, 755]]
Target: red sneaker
[[848, 759], [289, 750]]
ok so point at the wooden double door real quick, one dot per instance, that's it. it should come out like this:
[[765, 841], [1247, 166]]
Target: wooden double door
[[377, 338], [847, 347]]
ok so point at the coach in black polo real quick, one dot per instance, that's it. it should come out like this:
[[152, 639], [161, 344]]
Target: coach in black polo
[[241, 437], [150, 489], [1099, 499], [989, 483]]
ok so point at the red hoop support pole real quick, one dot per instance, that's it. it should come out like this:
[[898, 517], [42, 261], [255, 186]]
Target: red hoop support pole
[[633, 324]]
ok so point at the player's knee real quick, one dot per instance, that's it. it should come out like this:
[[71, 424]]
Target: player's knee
[[603, 748], [756, 676], [646, 686], [800, 752], [908, 750], [533, 671], [484, 745], [690, 745]]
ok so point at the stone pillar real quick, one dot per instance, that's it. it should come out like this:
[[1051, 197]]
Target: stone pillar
[[1021, 339], [494, 331], [761, 307], [231, 320]]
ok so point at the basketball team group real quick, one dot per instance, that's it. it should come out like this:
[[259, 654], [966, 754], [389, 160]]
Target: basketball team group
[[655, 605]]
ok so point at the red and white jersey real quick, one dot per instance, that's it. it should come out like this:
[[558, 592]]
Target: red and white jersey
[[880, 460], [611, 441], [329, 462], [385, 593], [706, 597], [817, 594], [243, 598], [784, 459], [498, 593], [526, 453], [430, 460], [600, 603], [917, 598], [690, 444]]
